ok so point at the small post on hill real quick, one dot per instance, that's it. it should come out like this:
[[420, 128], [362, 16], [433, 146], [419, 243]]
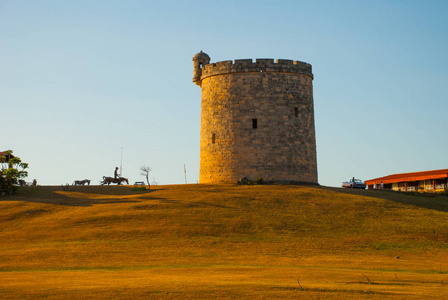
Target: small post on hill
[[185, 171]]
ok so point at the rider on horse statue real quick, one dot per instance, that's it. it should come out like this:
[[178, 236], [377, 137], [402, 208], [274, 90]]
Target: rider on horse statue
[[116, 179]]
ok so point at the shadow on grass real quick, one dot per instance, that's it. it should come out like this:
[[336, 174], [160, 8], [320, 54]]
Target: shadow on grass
[[79, 195], [433, 201], [92, 195]]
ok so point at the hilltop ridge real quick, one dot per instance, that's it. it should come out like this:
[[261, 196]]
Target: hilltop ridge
[[222, 240]]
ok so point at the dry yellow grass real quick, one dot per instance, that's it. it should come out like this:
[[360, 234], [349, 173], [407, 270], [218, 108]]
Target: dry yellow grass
[[222, 241]]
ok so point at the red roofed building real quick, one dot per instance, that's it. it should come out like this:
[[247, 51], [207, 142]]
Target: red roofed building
[[436, 180]]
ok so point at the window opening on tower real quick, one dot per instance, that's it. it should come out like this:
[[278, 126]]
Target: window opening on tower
[[213, 138], [254, 123], [296, 111]]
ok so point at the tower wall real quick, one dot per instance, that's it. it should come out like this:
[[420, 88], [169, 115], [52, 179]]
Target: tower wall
[[257, 119]]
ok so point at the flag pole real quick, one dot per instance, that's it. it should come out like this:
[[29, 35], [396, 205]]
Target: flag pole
[[121, 163]]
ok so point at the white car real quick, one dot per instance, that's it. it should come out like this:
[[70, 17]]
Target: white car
[[354, 184]]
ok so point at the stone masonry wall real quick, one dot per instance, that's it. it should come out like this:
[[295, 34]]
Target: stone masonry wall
[[279, 96]]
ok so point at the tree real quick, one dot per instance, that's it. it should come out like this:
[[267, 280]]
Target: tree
[[12, 170], [145, 172]]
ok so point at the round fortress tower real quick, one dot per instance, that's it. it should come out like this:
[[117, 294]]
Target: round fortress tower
[[257, 120]]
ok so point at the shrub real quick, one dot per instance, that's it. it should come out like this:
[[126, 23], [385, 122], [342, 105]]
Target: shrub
[[248, 181]]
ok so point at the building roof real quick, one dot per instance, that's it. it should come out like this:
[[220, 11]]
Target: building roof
[[407, 177], [4, 153]]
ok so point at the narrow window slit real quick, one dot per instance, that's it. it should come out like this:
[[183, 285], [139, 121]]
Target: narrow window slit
[[254, 123], [296, 112], [213, 138]]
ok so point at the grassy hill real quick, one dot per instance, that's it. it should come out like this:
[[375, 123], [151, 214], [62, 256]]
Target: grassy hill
[[222, 241]]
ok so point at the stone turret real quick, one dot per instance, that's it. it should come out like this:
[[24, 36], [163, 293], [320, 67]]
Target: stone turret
[[199, 60], [257, 120]]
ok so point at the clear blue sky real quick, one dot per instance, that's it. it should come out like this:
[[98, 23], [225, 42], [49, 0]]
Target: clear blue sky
[[80, 80]]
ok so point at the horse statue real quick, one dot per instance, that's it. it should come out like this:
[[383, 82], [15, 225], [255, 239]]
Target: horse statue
[[109, 180], [82, 182]]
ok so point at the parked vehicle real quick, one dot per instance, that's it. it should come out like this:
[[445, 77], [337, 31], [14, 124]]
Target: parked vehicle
[[354, 184]]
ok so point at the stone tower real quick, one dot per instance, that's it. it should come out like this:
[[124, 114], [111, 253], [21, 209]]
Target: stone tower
[[257, 120]]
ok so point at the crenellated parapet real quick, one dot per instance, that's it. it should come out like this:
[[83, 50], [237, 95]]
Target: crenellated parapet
[[260, 65]]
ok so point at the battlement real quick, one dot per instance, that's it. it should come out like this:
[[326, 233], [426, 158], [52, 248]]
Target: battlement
[[260, 65]]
